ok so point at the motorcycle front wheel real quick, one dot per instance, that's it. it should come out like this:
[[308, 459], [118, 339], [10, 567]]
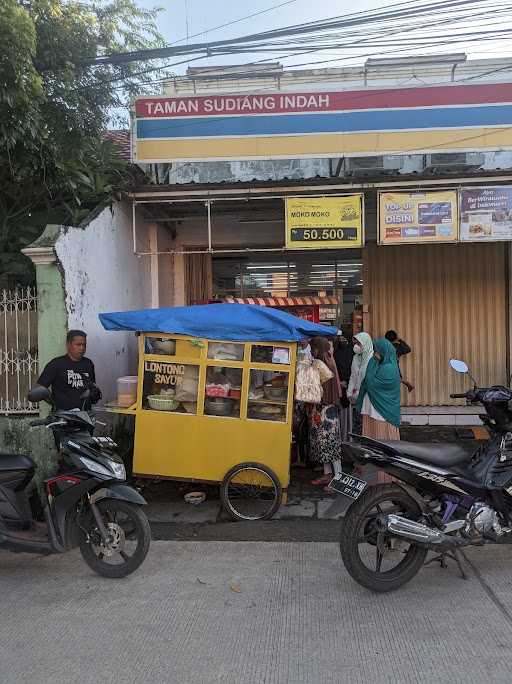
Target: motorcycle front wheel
[[373, 560], [129, 539]]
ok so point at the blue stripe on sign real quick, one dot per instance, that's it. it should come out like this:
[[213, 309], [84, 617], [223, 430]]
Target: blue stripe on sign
[[337, 122]]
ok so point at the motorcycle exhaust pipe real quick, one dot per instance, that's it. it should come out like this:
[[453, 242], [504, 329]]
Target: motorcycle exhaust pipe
[[396, 526]]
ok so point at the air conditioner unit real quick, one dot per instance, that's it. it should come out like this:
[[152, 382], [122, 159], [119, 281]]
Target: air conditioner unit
[[453, 162], [372, 166]]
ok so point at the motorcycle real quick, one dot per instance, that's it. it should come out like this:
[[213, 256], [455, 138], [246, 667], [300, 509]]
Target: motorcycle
[[443, 497], [86, 504]]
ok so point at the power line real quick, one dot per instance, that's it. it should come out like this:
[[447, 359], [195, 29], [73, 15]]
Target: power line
[[389, 14], [235, 21], [438, 41]]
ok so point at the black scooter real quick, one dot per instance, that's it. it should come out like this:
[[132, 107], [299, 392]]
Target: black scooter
[[86, 503], [443, 497]]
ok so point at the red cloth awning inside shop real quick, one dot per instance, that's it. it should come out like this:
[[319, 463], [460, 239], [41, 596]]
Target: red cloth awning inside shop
[[283, 301]]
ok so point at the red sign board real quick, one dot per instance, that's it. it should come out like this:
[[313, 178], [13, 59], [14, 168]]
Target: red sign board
[[279, 103]]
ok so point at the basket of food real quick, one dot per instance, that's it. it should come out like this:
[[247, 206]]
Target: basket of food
[[157, 402]]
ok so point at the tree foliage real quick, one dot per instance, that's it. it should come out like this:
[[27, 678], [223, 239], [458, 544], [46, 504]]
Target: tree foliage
[[54, 107]]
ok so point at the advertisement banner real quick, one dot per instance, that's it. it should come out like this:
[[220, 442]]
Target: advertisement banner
[[416, 217], [324, 222], [486, 214]]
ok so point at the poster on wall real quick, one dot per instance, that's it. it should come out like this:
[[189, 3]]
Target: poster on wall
[[416, 217], [324, 222], [486, 214]]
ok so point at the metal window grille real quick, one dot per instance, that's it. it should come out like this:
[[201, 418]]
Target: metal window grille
[[18, 349]]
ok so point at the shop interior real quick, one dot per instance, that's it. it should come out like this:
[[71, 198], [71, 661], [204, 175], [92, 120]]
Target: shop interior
[[334, 277], [235, 250]]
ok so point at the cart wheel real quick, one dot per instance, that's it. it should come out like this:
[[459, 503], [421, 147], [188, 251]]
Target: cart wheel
[[251, 491]]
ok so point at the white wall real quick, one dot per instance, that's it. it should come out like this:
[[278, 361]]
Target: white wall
[[406, 72], [102, 274]]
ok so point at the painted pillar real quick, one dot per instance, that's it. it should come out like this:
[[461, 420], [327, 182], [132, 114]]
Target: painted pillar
[[52, 314], [51, 333]]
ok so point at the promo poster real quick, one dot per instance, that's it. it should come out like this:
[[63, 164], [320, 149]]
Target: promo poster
[[418, 217]]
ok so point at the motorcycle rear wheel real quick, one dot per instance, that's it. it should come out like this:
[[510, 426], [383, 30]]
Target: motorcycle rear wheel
[[131, 536], [359, 530]]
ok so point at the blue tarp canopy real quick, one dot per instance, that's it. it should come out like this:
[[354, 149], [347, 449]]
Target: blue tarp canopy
[[243, 322]]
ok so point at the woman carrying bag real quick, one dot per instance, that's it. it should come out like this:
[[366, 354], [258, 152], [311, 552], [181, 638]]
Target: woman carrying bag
[[324, 421]]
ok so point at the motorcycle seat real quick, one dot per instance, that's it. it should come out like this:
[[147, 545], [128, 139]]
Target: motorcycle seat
[[15, 462], [445, 455]]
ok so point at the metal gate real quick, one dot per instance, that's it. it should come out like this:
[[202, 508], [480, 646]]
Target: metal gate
[[18, 349]]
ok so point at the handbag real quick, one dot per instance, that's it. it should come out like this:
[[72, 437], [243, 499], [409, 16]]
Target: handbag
[[308, 387], [323, 370]]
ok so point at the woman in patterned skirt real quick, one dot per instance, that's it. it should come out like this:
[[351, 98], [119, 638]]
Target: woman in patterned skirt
[[324, 422]]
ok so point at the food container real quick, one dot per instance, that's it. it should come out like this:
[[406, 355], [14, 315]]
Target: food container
[[218, 406], [162, 403], [235, 393], [164, 347], [259, 413], [224, 351], [217, 390], [271, 392], [127, 390]]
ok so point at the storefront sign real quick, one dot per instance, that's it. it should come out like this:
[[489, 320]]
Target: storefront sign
[[412, 217], [321, 124], [327, 313], [324, 222], [486, 214]]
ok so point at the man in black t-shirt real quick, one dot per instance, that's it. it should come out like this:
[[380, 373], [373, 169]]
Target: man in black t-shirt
[[70, 375]]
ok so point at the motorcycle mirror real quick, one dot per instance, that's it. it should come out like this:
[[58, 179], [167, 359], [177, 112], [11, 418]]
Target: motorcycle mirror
[[39, 393], [459, 366]]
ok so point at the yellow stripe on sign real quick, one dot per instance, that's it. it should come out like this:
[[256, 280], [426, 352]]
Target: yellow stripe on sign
[[326, 145]]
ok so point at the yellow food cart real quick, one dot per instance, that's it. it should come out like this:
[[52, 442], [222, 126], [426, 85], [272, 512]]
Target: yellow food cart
[[214, 398]]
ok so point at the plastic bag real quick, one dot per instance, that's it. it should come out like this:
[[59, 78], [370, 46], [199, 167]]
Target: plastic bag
[[308, 387]]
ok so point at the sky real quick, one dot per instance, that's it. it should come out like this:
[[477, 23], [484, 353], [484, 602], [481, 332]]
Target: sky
[[180, 18]]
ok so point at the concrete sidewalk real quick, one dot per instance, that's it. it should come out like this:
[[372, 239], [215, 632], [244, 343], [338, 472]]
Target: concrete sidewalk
[[212, 511], [251, 612]]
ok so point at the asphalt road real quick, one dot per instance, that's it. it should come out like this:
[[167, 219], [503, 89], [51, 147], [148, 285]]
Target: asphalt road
[[233, 612]]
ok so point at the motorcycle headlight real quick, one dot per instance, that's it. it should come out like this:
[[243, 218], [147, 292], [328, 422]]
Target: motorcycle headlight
[[117, 470]]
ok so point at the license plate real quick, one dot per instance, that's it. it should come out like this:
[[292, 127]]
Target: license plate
[[348, 485]]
